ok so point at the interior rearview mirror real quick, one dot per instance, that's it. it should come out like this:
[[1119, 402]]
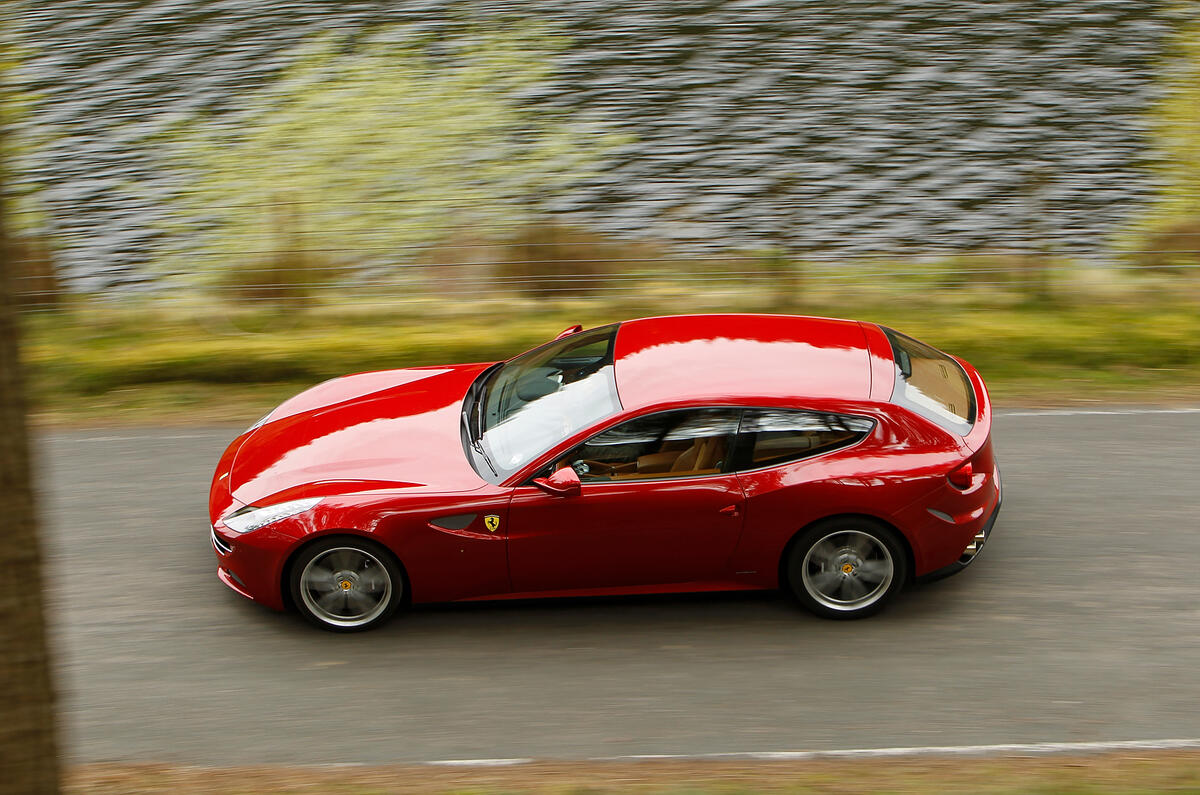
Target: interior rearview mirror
[[563, 483]]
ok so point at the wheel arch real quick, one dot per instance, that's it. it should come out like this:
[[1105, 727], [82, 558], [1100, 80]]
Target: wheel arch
[[784, 583], [285, 572]]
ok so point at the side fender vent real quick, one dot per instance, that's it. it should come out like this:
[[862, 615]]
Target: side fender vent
[[458, 521]]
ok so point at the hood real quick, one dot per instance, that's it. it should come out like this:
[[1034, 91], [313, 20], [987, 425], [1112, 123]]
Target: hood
[[394, 429]]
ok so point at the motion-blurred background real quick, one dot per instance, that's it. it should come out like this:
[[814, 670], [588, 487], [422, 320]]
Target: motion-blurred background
[[218, 203], [213, 204]]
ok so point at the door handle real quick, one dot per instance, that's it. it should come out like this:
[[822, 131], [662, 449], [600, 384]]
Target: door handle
[[729, 510]]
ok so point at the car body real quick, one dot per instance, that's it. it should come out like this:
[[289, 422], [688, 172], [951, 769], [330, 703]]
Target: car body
[[669, 454]]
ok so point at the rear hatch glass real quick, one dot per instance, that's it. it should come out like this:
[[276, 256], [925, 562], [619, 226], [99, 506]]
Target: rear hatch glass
[[932, 384]]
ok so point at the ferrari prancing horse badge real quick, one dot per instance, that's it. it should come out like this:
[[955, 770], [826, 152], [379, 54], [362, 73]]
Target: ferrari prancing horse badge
[[491, 522]]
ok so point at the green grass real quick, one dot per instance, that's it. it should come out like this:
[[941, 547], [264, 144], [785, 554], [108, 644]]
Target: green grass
[[138, 363]]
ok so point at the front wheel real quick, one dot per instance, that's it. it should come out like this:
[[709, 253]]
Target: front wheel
[[346, 584], [847, 568]]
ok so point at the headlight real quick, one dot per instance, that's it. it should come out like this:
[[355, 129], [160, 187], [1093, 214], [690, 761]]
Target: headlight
[[252, 517]]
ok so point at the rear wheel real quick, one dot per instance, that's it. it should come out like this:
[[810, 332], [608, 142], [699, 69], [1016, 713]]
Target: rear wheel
[[346, 584], [847, 568]]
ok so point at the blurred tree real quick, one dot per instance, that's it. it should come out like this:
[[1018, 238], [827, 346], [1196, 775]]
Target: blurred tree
[[30, 250], [363, 149], [1169, 234], [28, 749]]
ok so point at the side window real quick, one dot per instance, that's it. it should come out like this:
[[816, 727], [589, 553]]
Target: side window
[[670, 444], [776, 436]]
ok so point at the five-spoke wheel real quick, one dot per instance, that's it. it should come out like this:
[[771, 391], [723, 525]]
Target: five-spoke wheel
[[346, 584], [847, 568]]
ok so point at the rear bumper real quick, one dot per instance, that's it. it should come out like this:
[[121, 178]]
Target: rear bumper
[[969, 554]]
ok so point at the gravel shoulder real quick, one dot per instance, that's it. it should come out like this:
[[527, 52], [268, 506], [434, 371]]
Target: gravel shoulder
[[1146, 772]]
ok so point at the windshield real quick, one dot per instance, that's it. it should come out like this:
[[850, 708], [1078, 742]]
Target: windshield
[[540, 398]]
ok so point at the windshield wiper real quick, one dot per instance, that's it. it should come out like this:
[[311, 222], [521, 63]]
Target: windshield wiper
[[477, 446], [472, 417], [472, 413], [475, 437]]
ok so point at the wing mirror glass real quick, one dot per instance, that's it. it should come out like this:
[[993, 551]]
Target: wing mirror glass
[[563, 483]]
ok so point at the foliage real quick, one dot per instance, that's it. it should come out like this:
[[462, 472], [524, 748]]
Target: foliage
[[34, 275], [1169, 234], [364, 149], [822, 127], [550, 260], [22, 136], [134, 364]]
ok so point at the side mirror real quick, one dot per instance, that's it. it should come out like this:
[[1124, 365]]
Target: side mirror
[[569, 331], [563, 483]]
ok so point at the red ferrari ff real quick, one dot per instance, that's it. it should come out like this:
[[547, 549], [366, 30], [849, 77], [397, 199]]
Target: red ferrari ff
[[835, 459]]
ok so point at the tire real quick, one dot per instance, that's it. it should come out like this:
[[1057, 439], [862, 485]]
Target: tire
[[346, 584], [847, 568]]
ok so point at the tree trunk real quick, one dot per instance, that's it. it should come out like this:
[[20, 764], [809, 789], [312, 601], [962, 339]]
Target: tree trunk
[[28, 749]]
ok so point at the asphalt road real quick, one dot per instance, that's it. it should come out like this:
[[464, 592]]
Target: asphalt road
[[1079, 622]]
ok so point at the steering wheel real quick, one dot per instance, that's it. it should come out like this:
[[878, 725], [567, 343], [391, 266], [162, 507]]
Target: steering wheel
[[594, 467]]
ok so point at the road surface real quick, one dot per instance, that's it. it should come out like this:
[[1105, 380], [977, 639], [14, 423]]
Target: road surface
[[1079, 622]]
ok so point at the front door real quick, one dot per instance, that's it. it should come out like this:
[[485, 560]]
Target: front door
[[658, 505]]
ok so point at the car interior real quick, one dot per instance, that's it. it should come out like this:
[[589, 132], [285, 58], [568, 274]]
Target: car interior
[[703, 456], [700, 442]]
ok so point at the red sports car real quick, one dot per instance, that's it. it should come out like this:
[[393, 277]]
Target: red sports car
[[838, 460]]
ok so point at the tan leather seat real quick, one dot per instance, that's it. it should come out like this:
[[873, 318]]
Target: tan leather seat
[[704, 454]]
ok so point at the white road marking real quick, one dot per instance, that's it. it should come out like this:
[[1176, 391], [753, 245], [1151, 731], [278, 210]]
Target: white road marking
[[481, 762], [1019, 749], [1085, 412], [1022, 749]]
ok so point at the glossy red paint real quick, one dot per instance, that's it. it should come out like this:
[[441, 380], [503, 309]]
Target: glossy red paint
[[385, 452], [624, 534], [404, 433], [883, 366], [713, 357], [562, 483]]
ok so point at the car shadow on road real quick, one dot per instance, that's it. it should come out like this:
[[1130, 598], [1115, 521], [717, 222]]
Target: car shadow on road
[[601, 614], [710, 613], [563, 603]]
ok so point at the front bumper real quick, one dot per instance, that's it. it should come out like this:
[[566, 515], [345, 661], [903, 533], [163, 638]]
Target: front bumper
[[249, 564]]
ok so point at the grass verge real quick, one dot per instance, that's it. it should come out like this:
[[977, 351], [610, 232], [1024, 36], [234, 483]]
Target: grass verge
[[1141, 773], [141, 365]]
